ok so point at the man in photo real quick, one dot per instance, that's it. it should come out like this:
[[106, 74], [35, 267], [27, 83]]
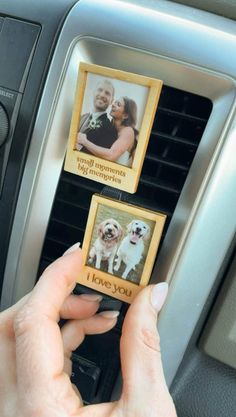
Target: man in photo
[[96, 125]]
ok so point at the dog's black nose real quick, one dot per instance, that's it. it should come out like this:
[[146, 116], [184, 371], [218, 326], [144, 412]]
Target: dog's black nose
[[109, 230], [138, 229]]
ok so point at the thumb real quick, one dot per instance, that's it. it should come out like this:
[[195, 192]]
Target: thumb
[[143, 377]]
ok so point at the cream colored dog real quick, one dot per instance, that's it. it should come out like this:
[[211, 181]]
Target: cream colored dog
[[105, 246], [132, 246]]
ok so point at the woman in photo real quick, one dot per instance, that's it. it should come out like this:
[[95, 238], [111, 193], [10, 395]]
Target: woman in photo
[[124, 115]]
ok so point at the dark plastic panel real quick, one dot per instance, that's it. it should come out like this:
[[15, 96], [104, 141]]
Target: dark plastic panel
[[48, 14], [17, 40], [205, 388]]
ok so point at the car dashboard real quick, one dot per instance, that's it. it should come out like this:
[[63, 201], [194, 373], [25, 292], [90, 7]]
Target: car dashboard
[[188, 174]]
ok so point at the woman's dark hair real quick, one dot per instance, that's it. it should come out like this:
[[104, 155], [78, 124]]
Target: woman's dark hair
[[130, 107]]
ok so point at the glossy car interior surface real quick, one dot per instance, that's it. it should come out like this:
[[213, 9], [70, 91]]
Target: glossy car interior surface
[[189, 174]]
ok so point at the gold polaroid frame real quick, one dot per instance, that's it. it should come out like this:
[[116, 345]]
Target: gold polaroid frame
[[98, 169], [111, 284]]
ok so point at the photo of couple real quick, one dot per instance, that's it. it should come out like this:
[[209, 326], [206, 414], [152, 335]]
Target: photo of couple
[[109, 130], [111, 123]]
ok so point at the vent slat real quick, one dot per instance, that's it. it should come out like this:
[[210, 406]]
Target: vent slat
[[181, 115], [54, 240], [71, 203], [155, 206], [75, 180], [48, 260], [155, 159], [66, 224], [150, 182], [171, 138]]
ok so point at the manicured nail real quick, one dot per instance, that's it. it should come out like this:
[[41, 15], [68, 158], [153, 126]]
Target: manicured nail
[[109, 314], [158, 295], [72, 248], [91, 297]]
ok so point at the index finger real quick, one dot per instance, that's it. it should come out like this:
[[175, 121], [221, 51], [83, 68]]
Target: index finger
[[38, 337], [55, 284]]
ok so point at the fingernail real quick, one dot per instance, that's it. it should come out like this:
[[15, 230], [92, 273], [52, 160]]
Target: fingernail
[[72, 248], [109, 314], [158, 295], [91, 297]]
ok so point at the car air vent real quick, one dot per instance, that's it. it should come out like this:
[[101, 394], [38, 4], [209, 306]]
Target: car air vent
[[176, 133]]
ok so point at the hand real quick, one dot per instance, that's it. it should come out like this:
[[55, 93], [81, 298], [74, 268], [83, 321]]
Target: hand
[[35, 353], [81, 139]]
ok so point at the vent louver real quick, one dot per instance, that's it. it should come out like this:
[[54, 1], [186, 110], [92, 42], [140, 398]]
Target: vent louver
[[177, 130]]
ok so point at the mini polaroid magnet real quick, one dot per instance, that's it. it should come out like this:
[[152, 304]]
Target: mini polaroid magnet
[[111, 124], [119, 247]]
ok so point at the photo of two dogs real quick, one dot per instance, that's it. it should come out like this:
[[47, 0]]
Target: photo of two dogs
[[119, 247], [119, 244]]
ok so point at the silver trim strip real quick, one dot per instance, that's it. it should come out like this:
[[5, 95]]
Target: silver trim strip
[[112, 33]]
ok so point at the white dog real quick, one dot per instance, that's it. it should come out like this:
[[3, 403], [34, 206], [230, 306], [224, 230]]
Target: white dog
[[105, 246], [132, 246]]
